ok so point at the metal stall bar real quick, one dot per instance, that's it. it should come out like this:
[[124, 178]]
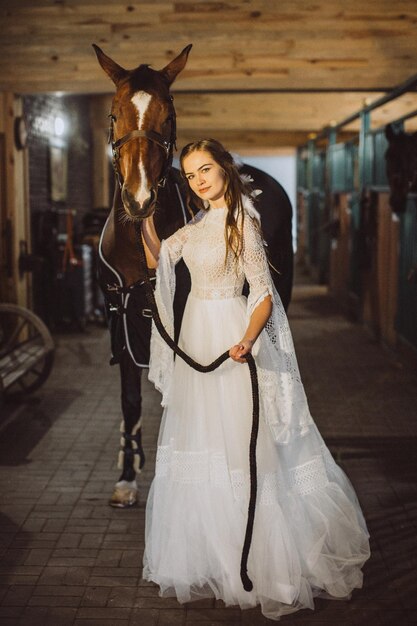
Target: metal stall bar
[[398, 91]]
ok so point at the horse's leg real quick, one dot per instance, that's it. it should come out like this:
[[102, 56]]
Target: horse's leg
[[131, 456]]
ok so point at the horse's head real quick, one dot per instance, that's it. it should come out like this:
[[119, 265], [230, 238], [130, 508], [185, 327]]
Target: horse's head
[[401, 164], [142, 129]]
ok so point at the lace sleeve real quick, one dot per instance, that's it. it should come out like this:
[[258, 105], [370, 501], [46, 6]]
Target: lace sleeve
[[255, 264], [175, 243], [161, 362], [284, 404]]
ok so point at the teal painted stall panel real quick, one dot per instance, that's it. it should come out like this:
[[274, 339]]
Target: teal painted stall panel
[[351, 166], [407, 280], [367, 166], [379, 166], [301, 172], [318, 235], [341, 163], [319, 165], [313, 227], [324, 242], [337, 161], [374, 168], [355, 285]]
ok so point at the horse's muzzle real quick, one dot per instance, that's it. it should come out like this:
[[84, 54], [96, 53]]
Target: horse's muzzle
[[135, 209]]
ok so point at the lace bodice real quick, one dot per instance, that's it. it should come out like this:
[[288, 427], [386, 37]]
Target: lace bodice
[[203, 247]]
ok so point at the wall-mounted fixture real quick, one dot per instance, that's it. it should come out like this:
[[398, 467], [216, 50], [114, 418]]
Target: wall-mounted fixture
[[20, 132], [59, 126]]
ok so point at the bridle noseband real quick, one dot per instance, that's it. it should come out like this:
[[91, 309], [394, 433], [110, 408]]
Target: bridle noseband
[[166, 143]]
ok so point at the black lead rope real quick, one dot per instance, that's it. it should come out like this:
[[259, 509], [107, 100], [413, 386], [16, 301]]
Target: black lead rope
[[150, 296]]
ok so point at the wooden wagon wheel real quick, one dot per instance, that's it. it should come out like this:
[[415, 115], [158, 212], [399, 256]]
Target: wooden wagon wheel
[[26, 350]]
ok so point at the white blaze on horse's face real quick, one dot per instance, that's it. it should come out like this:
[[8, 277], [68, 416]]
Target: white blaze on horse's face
[[141, 101]]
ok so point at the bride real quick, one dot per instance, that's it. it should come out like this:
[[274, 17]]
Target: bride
[[309, 535]]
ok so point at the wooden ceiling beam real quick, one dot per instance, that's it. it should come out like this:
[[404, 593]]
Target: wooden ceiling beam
[[261, 44]]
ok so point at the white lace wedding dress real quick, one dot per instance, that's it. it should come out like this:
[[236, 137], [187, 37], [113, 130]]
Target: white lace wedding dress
[[309, 534]]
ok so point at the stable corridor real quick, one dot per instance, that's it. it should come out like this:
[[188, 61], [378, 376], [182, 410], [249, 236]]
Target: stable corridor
[[67, 558]]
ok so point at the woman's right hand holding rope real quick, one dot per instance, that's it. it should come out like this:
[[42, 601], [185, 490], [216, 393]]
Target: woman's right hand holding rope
[[238, 352]]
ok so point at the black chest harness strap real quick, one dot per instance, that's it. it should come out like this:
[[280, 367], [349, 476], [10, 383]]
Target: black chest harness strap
[[246, 581]]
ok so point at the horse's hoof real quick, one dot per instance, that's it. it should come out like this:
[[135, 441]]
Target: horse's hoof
[[125, 495]]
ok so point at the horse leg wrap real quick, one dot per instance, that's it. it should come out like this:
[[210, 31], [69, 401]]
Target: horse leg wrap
[[131, 455]]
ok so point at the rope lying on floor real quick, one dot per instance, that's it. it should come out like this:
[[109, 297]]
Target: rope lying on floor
[[246, 581]]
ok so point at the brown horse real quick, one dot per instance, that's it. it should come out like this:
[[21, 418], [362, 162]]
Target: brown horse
[[401, 166], [142, 133]]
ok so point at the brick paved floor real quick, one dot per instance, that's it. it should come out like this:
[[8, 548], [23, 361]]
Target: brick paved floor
[[69, 559]]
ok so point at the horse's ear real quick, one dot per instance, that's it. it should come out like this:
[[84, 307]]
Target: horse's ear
[[389, 132], [116, 72], [171, 71]]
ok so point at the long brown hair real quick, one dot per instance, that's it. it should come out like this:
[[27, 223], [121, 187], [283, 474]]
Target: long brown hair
[[235, 187]]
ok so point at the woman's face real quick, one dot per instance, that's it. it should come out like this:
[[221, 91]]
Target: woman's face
[[205, 177]]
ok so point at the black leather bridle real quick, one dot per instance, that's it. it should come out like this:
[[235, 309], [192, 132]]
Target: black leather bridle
[[167, 143]]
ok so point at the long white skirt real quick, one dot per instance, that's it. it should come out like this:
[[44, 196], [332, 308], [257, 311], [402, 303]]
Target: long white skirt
[[309, 534]]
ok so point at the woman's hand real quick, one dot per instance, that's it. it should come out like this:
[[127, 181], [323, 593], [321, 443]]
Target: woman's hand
[[257, 322], [237, 352]]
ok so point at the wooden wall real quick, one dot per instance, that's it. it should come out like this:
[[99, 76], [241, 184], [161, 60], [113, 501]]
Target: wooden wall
[[14, 210], [380, 283], [99, 122]]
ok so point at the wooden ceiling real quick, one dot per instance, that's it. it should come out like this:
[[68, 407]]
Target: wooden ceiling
[[260, 71]]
